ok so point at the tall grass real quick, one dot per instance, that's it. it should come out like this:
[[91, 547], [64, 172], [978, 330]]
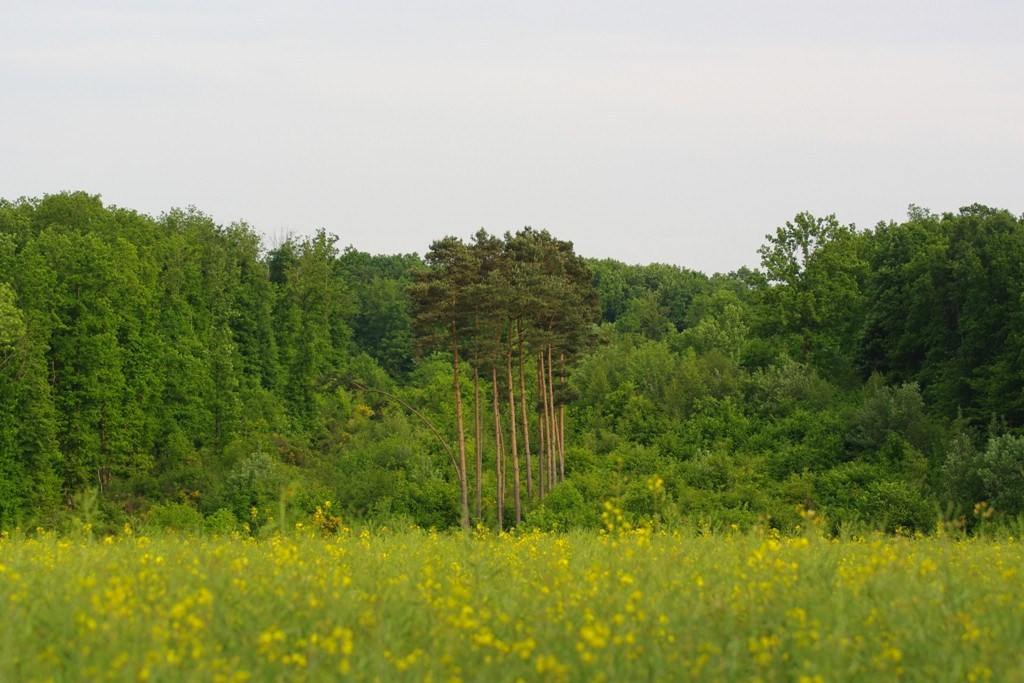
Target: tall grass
[[418, 606]]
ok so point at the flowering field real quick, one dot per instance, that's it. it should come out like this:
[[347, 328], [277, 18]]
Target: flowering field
[[418, 606]]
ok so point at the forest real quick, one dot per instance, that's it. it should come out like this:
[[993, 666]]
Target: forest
[[175, 372]]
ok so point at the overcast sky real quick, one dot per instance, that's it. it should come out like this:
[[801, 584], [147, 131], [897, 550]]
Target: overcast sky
[[674, 132]]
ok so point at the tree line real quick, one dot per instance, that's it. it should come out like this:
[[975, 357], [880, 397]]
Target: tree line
[[175, 369]]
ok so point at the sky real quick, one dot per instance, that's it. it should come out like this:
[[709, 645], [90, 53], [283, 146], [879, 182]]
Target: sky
[[673, 132]]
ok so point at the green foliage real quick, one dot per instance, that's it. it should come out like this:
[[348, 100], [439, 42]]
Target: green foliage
[[787, 385], [176, 517], [896, 505], [382, 323], [434, 504], [12, 322], [889, 410], [708, 471], [800, 442], [171, 364], [842, 492], [1001, 470], [647, 300], [597, 485], [648, 503], [961, 473], [948, 310], [254, 485], [221, 523], [814, 299], [563, 508], [645, 316], [721, 323], [312, 307], [862, 494]]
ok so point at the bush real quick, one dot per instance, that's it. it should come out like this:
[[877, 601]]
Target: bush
[[648, 501], [564, 507], [895, 505], [256, 482], [435, 504], [178, 517], [786, 386], [643, 500], [709, 470], [841, 493], [963, 483], [220, 523], [885, 411], [801, 440], [1001, 469], [596, 486]]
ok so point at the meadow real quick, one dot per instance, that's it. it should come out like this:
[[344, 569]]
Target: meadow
[[623, 605]]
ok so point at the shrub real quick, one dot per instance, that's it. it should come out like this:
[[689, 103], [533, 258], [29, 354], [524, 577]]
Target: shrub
[[435, 504], [963, 483], [1001, 469], [179, 517], [709, 470], [896, 504], [256, 482], [220, 523], [564, 507]]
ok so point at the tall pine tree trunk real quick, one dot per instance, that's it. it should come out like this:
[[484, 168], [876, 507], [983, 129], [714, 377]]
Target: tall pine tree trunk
[[516, 500], [542, 424], [463, 484], [478, 435], [552, 422], [561, 441], [524, 413], [561, 423], [499, 469]]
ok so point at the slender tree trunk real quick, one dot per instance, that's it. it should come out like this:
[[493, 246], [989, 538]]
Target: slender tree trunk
[[552, 422], [477, 421], [463, 487], [478, 434], [542, 397], [499, 470], [561, 441], [516, 499], [561, 423], [524, 413], [541, 456]]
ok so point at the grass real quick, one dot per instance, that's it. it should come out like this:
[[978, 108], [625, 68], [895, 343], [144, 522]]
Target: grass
[[419, 606]]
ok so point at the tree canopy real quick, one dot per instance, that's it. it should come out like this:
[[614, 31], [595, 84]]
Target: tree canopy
[[876, 376]]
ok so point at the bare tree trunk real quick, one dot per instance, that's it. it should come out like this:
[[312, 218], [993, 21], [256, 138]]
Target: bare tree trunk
[[516, 500], [542, 411], [463, 484], [561, 424], [552, 422], [478, 434], [561, 441], [524, 413], [499, 469]]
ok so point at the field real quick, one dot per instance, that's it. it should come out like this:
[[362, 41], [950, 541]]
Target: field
[[418, 606]]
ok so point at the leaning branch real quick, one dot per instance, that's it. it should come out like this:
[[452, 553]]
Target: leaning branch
[[451, 454]]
